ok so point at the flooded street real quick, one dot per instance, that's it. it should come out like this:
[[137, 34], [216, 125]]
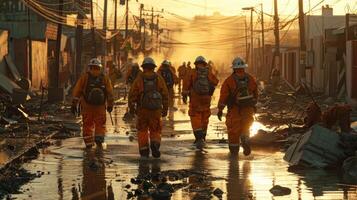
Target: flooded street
[[69, 171]]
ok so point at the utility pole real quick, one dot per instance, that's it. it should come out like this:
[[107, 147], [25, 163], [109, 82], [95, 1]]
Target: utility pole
[[276, 63], [302, 42], [105, 28], [115, 29], [55, 72], [144, 38], [127, 19], [94, 45], [251, 63], [251, 40], [29, 53], [79, 38], [157, 33], [152, 22], [105, 15], [347, 35], [246, 39], [263, 38], [140, 20]]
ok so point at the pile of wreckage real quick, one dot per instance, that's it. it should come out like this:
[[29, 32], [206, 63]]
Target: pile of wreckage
[[330, 142], [310, 137], [24, 112]]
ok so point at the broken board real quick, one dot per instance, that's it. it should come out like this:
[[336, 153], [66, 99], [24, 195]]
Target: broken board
[[7, 84], [319, 147]]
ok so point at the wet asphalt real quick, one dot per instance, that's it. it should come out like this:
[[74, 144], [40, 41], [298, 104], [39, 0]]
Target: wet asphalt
[[69, 172]]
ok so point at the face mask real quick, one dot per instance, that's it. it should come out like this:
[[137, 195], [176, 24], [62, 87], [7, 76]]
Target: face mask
[[94, 72]]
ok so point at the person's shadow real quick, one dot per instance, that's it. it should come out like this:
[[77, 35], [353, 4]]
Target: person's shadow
[[238, 181]]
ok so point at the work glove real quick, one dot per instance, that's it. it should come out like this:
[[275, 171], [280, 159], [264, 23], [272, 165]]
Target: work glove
[[109, 109], [164, 113], [219, 115], [184, 99]]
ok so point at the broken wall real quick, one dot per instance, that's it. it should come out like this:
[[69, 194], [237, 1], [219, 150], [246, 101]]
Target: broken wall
[[39, 64]]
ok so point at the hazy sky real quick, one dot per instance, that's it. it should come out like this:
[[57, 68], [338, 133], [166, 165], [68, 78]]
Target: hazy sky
[[232, 7], [190, 8]]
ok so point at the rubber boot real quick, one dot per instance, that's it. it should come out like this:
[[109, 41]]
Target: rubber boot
[[245, 144], [144, 153], [204, 134], [99, 140], [234, 150], [155, 149], [89, 146], [199, 142]]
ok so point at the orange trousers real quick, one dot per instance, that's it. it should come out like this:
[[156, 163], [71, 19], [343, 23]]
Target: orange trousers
[[199, 119], [94, 120], [149, 126], [171, 97], [238, 122]]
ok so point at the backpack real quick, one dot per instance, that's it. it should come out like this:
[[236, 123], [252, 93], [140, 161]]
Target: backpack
[[95, 92], [168, 77], [202, 85], [242, 96], [134, 73], [151, 98]]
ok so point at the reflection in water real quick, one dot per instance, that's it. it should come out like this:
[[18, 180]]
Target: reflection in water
[[199, 163], [94, 184], [237, 183], [148, 167]]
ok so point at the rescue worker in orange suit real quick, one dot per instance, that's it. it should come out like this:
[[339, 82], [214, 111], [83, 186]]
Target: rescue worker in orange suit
[[148, 97], [169, 74], [239, 93], [182, 71], [199, 85], [94, 92], [132, 73], [189, 65]]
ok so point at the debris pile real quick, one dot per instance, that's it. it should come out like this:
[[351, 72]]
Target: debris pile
[[161, 185]]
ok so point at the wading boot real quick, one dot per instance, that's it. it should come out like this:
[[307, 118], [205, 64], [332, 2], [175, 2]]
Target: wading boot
[[99, 140], [204, 134], [199, 142], [89, 146], [234, 150], [145, 153], [155, 149], [245, 144]]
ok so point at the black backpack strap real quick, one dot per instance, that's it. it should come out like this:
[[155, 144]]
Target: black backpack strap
[[237, 79], [154, 78]]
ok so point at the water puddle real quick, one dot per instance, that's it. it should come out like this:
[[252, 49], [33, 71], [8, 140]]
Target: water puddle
[[71, 172]]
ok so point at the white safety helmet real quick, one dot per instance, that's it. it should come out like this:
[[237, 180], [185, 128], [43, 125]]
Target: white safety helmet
[[166, 62], [148, 61], [95, 62], [238, 63], [200, 59]]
